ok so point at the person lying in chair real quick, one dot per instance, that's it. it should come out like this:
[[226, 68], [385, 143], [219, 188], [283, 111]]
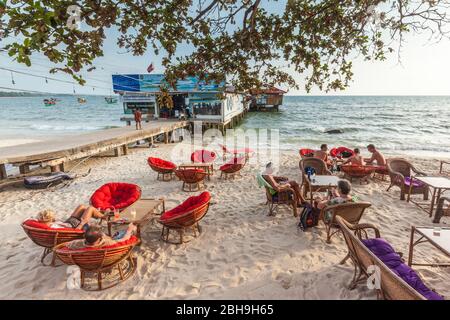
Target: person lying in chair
[[95, 238], [79, 219], [282, 183]]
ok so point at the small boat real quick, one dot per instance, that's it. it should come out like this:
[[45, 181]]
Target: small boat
[[49, 102], [110, 100], [81, 100]]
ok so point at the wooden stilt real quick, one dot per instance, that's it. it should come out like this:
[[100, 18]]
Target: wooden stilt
[[24, 168], [166, 137], [125, 149], [117, 152], [62, 167], [3, 174]]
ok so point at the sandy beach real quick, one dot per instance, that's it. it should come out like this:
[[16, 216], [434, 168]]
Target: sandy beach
[[242, 252]]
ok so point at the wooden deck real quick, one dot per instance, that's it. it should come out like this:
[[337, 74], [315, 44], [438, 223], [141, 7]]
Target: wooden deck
[[54, 153]]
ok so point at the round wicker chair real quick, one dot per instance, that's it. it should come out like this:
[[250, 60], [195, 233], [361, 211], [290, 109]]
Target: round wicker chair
[[306, 153], [357, 171], [185, 216], [193, 179], [115, 196], [341, 152], [47, 237], [165, 169], [203, 156], [115, 261], [232, 168]]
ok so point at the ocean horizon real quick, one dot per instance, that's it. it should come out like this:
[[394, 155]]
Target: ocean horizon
[[394, 123]]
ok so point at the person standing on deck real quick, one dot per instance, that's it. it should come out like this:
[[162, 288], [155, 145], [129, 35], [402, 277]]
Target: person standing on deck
[[138, 119]]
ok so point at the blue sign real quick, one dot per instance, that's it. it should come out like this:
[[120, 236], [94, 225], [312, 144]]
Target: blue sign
[[153, 83]]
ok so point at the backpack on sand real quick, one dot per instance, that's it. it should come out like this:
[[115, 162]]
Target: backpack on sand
[[309, 217]]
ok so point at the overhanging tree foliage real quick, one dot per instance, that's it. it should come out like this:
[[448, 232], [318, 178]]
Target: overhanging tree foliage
[[252, 42]]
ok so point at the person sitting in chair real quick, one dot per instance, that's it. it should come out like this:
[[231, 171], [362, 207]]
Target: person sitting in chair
[[79, 219], [95, 238], [283, 183], [339, 195], [377, 156], [356, 159]]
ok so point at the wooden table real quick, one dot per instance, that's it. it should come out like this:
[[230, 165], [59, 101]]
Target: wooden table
[[440, 241], [208, 167], [145, 210], [322, 182], [439, 184]]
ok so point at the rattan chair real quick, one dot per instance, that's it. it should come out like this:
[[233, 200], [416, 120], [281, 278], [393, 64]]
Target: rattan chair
[[165, 169], [443, 209], [442, 169], [350, 211], [193, 179], [392, 287], [185, 220], [49, 238], [232, 168], [401, 174], [281, 198], [358, 172], [116, 263], [320, 168]]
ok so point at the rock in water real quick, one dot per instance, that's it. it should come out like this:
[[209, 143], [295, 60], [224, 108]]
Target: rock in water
[[334, 131]]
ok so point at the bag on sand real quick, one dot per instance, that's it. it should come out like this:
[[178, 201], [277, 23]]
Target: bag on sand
[[309, 217]]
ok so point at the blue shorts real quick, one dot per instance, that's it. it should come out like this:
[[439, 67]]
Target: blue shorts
[[119, 235]]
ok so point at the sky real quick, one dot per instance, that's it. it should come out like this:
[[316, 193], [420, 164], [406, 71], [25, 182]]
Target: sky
[[424, 69]]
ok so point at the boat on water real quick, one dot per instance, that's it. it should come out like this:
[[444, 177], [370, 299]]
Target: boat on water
[[49, 102], [81, 100], [110, 100]]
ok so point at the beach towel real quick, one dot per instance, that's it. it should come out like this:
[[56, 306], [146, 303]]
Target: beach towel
[[263, 183]]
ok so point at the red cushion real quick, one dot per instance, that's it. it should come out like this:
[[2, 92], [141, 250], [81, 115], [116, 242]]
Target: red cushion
[[204, 156], [116, 195], [39, 225], [231, 163], [131, 240], [336, 152], [189, 204], [304, 152], [160, 163], [226, 166]]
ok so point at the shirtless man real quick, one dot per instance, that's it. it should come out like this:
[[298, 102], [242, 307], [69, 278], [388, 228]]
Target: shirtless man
[[138, 119], [376, 156], [322, 153], [356, 159]]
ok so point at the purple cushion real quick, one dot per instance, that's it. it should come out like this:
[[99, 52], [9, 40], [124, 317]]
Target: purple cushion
[[384, 251], [416, 183]]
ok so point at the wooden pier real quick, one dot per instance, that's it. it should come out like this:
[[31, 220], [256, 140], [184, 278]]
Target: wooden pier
[[54, 153]]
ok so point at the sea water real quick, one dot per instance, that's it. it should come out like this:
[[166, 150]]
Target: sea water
[[417, 125]]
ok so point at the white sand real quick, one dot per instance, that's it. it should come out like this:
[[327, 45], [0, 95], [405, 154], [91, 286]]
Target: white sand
[[15, 142], [242, 253]]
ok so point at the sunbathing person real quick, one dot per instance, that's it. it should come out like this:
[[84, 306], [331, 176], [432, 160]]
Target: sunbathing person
[[376, 156], [79, 219], [95, 238], [356, 159], [339, 195], [283, 183]]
